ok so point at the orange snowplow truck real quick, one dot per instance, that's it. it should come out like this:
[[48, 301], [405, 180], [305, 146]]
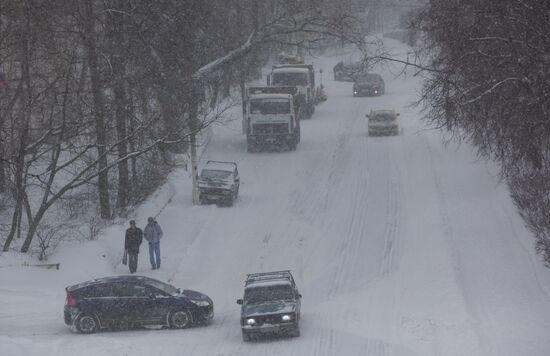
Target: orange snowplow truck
[[271, 118]]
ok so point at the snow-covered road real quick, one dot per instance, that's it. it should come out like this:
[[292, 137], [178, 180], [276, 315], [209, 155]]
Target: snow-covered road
[[400, 246]]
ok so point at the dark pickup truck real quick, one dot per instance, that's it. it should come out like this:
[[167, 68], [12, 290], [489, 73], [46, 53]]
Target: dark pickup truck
[[270, 306]]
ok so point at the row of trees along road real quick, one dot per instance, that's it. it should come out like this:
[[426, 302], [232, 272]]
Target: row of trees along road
[[490, 85], [96, 97]]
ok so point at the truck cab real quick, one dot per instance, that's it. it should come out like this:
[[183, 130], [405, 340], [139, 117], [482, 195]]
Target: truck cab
[[300, 76], [271, 118]]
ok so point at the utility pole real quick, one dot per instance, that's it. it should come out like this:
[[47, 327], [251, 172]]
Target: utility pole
[[194, 124]]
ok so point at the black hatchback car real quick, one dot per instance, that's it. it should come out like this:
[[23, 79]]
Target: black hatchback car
[[133, 301]]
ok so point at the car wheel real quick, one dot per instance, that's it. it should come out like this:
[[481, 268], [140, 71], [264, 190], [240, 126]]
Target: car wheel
[[296, 332], [180, 319], [86, 324], [246, 337]]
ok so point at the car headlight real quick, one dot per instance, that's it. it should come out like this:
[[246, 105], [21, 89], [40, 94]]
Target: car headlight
[[201, 303], [251, 321], [286, 317]]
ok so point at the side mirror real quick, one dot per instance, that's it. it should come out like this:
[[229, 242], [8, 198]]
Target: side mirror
[[237, 180], [239, 301], [180, 291], [299, 295], [367, 115], [397, 114]]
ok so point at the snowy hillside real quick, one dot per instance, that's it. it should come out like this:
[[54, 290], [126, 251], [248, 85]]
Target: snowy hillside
[[400, 246]]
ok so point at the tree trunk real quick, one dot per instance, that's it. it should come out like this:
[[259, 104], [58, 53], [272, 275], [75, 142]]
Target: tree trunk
[[132, 145], [99, 111], [2, 166], [120, 101], [24, 119]]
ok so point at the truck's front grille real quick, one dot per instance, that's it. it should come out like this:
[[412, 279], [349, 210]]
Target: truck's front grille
[[266, 129]]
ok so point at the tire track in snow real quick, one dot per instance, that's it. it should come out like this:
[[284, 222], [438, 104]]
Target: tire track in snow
[[349, 249], [393, 222], [311, 201], [449, 234]]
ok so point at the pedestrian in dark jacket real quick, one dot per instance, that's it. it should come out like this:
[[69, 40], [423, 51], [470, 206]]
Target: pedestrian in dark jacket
[[132, 241], [153, 234]]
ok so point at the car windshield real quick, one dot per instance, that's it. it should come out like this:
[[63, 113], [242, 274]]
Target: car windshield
[[370, 78], [270, 106], [383, 116], [268, 293], [215, 174], [290, 79], [167, 288]]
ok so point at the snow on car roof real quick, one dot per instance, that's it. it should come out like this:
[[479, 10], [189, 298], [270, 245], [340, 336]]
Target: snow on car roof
[[291, 70], [270, 96], [380, 111], [220, 166], [269, 283], [108, 279]]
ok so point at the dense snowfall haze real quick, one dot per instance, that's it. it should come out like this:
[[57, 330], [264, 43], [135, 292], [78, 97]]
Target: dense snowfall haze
[[278, 177]]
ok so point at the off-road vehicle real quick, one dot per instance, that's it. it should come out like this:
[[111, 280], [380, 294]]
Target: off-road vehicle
[[219, 183], [270, 306]]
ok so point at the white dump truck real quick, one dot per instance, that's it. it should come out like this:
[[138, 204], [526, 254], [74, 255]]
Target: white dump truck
[[271, 118], [301, 76]]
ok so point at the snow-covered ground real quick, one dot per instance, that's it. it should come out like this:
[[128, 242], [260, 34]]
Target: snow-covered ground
[[400, 246]]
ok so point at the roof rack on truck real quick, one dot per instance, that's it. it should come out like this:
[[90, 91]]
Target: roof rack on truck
[[267, 276]]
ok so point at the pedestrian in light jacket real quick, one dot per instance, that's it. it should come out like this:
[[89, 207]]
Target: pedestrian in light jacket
[[132, 241], [153, 234]]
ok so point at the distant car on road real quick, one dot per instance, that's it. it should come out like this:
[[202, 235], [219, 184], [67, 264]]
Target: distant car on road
[[271, 305], [383, 122], [369, 84], [348, 72], [132, 301], [287, 58], [219, 183]]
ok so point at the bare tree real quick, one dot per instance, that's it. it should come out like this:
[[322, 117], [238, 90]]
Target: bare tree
[[491, 86]]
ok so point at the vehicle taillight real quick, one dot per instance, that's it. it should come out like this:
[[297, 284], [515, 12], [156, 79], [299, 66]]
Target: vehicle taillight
[[70, 300]]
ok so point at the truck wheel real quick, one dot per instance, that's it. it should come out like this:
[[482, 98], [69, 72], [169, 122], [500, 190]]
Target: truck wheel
[[292, 146], [250, 147], [229, 201], [246, 337]]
